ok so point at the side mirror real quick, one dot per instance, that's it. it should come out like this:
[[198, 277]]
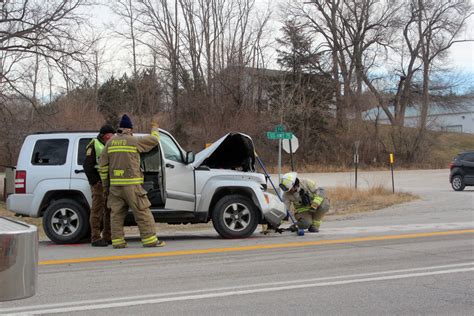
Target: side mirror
[[189, 157]]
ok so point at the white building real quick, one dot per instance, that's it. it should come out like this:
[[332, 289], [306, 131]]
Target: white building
[[453, 118]]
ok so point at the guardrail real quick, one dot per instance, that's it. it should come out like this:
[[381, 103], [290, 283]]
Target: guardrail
[[18, 259]]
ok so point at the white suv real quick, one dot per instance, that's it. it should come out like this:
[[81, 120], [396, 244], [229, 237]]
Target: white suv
[[218, 184]]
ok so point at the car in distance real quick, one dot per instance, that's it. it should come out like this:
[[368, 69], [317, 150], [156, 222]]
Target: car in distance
[[462, 171]]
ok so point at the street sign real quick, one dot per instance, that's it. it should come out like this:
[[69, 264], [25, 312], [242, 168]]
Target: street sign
[[290, 148], [279, 135]]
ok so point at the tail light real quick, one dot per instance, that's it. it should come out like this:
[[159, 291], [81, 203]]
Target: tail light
[[20, 182], [451, 165]]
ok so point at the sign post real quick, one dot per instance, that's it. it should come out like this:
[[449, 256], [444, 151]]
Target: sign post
[[392, 160], [356, 159], [279, 134]]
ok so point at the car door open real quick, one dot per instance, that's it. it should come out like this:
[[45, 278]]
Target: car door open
[[154, 177]]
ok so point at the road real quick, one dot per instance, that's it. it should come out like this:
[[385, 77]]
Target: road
[[415, 258]]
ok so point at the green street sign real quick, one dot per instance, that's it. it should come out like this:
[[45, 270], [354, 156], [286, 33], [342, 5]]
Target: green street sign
[[280, 128], [279, 135]]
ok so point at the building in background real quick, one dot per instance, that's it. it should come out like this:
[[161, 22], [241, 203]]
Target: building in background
[[455, 117]]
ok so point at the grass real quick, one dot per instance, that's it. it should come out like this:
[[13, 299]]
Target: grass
[[448, 145], [344, 201]]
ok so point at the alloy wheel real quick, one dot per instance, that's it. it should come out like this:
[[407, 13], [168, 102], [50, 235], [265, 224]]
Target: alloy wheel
[[237, 217], [65, 222], [457, 183]]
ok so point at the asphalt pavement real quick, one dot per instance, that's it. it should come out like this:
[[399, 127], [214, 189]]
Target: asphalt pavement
[[413, 258]]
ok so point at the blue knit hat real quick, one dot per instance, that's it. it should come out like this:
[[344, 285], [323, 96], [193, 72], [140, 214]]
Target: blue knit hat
[[125, 122]]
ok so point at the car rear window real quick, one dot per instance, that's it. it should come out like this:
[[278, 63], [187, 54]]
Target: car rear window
[[50, 152], [81, 151]]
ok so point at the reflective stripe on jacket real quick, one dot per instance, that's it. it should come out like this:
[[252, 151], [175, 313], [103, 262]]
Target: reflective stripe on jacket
[[120, 159], [98, 146]]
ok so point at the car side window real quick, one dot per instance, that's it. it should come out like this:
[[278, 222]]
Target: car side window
[[81, 151], [170, 149], [51, 152], [468, 157]]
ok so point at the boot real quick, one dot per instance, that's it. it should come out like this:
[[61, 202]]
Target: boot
[[120, 246], [158, 243], [313, 229], [99, 243]]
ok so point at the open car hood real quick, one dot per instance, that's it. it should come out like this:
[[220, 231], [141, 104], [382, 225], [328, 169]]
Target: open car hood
[[233, 151]]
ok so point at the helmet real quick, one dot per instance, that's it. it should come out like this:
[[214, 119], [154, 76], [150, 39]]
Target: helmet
[[288, 180]]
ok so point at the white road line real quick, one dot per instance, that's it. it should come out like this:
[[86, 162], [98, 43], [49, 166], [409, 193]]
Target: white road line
[[227, 291]]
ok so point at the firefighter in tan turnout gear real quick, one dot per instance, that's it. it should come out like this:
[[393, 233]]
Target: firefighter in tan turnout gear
[[306, 200], [121, 176]]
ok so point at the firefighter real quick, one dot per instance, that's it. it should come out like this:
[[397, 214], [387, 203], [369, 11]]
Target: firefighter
[[120, 172], [306, 200], [100, 214]]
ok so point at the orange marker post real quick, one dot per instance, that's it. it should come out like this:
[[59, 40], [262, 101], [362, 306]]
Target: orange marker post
[[392, 161]]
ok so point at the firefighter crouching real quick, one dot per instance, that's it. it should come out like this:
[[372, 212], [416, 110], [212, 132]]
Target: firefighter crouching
[[306, 200], [122, 177], [100, 214]]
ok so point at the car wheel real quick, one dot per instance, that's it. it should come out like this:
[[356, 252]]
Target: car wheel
[[66, 222], [235, 216], [458, 183]]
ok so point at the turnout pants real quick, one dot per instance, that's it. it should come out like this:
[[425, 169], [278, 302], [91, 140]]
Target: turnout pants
[[311, 217], [99, 218], [121, 198]]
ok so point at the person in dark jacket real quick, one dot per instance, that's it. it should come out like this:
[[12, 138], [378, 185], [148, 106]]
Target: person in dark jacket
[[100, 215]]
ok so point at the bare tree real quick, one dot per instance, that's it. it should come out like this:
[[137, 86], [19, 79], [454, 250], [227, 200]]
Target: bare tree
[[129, 14], [31, 32], [439, 24], [158, 20]]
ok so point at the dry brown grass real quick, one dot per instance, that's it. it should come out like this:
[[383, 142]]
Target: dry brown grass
[[345, 200]]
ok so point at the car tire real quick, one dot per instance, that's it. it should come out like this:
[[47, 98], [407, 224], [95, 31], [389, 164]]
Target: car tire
[[66, 221], [235, 216], [457, 182]]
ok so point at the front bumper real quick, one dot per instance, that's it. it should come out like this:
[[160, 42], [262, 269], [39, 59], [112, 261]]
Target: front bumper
[[275, 211]]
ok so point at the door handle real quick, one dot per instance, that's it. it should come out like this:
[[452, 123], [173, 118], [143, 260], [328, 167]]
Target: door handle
[[168, 165], [79, 171]]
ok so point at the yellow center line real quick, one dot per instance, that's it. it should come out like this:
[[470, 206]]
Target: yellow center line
[[256, 247]]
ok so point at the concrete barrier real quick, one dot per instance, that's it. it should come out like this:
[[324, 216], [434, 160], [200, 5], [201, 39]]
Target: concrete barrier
[[18, 259]]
